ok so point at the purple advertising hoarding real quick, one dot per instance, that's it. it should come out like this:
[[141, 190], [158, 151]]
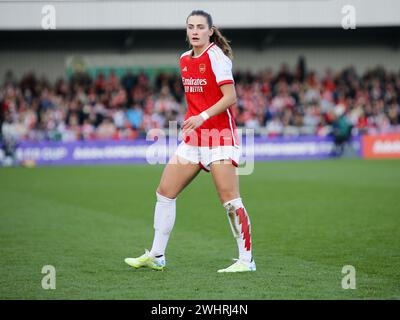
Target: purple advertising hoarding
[[299, 148], [139, 150]]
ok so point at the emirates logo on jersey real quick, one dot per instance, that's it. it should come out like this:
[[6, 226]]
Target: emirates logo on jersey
[[194, 84], [202, 67], [194, 81]]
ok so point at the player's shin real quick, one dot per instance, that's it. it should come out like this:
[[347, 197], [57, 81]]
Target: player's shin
[[240, 224], [164, 219]]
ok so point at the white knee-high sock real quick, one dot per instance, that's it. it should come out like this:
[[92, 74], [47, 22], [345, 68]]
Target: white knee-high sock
[[164, 219], [240, 225]]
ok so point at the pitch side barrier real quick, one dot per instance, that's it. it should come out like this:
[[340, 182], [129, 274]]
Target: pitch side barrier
[[141, 151]]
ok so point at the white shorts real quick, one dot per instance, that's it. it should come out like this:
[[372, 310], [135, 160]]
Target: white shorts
[[204, 156]]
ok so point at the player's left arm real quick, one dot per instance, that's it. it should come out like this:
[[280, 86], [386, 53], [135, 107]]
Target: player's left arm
[[228, 99]]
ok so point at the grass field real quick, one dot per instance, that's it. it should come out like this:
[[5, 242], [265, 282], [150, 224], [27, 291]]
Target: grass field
[[309, 219]]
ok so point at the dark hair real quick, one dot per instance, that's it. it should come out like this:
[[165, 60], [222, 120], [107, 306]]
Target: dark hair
[[217, 36]]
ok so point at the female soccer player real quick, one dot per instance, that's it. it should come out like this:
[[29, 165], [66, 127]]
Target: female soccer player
[[209, 143]]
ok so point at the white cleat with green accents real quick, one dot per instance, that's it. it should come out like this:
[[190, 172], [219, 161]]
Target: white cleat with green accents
[[240, 266], [147, 261]]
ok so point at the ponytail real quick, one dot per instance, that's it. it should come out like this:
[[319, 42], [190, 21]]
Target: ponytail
[[222, 42]]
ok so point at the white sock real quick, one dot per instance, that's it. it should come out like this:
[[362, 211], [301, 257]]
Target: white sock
[[240, 225], [164, 219]]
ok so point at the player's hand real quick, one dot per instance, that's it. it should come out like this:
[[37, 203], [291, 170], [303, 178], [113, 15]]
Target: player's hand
[[191, 124]]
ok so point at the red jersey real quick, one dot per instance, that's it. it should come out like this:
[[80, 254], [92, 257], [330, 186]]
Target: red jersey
[[202, 77]]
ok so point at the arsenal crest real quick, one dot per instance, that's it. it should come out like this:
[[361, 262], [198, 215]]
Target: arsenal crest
[[202, 67]]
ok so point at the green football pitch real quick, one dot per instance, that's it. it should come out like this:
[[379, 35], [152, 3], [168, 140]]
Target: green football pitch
[[309, 219]]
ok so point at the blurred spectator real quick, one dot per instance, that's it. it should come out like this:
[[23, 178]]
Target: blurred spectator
[[106, 129], [10, 137], [341, 130], [135, 116]]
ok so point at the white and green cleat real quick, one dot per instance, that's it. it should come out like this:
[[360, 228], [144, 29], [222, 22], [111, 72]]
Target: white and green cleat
[[147, 261], [240, 266]]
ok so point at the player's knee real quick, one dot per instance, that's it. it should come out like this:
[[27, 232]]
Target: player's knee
[[226, 195], [162, 190]]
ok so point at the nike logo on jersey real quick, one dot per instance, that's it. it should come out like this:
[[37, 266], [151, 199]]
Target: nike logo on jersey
[[184, 69]]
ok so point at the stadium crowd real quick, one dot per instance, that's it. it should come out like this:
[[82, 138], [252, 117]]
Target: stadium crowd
[[284, 103]]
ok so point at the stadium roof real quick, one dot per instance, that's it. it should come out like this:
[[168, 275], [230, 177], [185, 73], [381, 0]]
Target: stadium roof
[[165, 14]]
